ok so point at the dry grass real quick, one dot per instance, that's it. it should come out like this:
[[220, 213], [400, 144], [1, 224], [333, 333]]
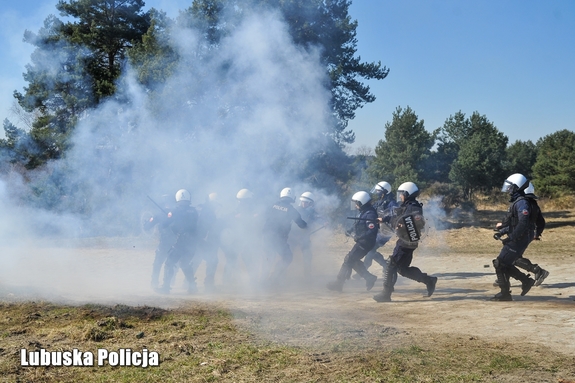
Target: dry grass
[[202, 343]]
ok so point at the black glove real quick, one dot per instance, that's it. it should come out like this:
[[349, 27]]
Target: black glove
[[506, 241]]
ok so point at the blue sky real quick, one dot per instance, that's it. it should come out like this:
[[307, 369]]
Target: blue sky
[[512, 61]]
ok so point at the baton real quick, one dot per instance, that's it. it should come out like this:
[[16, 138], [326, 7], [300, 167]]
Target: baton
[[316, 230], [155, 203]]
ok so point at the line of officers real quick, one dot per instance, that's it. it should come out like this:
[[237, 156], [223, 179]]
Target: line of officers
[[522, 224], [190, 235]]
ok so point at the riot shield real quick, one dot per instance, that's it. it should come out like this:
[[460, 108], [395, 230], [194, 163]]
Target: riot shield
[[413, 228]]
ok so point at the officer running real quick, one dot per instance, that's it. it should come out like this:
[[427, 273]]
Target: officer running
[[167, 238], [240, 239], [408, 220], [519, 225], [277, 226], [182, 220], [364, 233], [383, 203], [308, 213], [539, 273], [209, 232]]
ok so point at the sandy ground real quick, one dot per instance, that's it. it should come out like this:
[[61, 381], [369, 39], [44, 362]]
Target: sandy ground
[[305, 313]]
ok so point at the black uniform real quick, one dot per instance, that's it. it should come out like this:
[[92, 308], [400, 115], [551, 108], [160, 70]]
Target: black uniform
[[241, 238], [183, 221], [539, 274], [400, 260], [277, 226], [536, 211], [519, 225], [364, 233], [382, 206], [167, 239], [209, 233], [310, 216]]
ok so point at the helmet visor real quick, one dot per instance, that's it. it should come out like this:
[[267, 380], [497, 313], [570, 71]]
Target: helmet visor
[[507, 186]]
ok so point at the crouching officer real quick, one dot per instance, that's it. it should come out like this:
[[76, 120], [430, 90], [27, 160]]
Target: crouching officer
[[364, 233], [519, 225], [183, 222], [408, 221]]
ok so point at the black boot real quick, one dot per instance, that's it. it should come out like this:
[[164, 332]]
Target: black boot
[[526, 281], [336, 285], [527, 285], [360, 269], [501, 297], [384, 296], [502, 282], [540, 275], [389, 278], [344, 273], [431, 285], [370, 281]]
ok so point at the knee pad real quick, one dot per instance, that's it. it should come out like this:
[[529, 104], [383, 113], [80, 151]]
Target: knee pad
[[496, 263]]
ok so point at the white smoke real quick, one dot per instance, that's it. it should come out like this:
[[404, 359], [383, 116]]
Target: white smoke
[[243, 117]]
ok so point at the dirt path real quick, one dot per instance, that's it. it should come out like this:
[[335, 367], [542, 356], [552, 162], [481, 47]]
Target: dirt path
[[460, 307]]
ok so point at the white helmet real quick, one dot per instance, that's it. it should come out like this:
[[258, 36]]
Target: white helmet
[[361, 198], [407, 189], [515, 182], [287, 193], [244, 194], [382, 188], [530, 189], [307, 197], [183, 195]]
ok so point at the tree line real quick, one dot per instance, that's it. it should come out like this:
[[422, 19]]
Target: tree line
[[471, 155], [78, 61]]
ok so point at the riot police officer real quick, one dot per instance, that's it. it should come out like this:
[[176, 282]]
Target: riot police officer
[[308, 213], [539, 274], [364, 233], [519, 226], [503, 228], [167, 238], [240, 239], [384, 202], [408, 222], [278, 222], [209, 232], [182, 220]]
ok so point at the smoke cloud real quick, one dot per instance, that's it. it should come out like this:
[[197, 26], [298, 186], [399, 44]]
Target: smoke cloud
[[246, 115]]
